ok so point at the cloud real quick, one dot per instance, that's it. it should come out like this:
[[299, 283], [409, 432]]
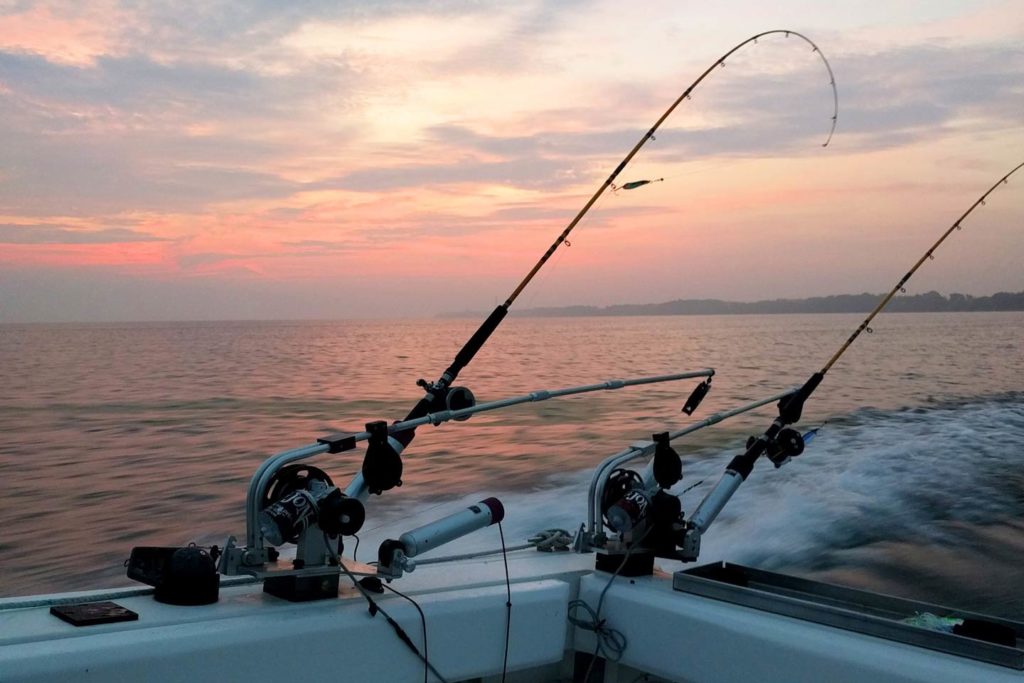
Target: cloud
[[136, 131], [142, 93], [87, 179], [55, 234], [886, 99], [252, 136], [515, 47], [521, 172], [282, 251], [315, 247], [556, 143], [130, 133], [196, 29], [450, 225]]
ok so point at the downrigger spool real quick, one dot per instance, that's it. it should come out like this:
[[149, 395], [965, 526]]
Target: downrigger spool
[[302, 505]]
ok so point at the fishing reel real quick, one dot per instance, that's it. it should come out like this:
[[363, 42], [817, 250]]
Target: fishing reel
[[787, 444], [448, 398], [382, 464], [302, 497]]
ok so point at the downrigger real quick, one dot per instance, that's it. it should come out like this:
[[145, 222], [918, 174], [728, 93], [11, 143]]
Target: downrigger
[[632, 515]]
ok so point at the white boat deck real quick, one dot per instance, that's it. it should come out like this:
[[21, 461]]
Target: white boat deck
[[675, 636], [248, 633]]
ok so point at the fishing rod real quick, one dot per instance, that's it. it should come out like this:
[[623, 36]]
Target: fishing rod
[[382, 464], [779, 443]]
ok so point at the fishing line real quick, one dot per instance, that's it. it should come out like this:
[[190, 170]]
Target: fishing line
[[689, 488], [382, 464]]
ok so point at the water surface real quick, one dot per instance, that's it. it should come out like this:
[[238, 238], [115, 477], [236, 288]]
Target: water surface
[[115, 435]]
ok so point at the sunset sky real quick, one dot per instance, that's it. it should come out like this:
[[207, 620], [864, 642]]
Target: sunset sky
[[266, 159]]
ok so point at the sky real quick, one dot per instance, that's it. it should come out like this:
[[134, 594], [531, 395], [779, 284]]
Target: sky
[[268, 160]]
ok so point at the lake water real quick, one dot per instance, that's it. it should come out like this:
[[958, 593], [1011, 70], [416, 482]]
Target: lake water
[[116, 435]]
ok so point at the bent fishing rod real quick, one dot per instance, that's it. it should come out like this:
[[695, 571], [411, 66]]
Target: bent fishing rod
[[780, 442], [382, 464]]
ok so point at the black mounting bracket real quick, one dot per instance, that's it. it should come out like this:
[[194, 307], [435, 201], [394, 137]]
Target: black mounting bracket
[[382, 465]]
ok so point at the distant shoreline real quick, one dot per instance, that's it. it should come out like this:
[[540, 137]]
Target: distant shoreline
[[929, 302]]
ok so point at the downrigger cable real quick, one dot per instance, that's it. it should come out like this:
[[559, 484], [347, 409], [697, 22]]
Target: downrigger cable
[[780, 442], [382, 464]]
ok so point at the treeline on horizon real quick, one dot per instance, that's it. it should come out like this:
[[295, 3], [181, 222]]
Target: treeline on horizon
[[929, 302]]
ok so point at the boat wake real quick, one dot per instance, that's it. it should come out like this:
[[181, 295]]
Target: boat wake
[[919, 502]]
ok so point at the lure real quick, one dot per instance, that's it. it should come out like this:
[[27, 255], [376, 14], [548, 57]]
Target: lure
[[633, 184], [933, 622]]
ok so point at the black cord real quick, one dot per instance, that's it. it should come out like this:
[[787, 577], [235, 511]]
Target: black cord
[[508, 603], [374, 608], [423, 621], [355, 550]]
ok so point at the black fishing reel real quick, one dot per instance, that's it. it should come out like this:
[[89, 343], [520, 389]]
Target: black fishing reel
[[448, 398], [459, 398], [299, 497], [788, 443], [382, 464]]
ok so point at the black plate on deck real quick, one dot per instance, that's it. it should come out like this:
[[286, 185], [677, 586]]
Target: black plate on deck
[[90, 613]]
